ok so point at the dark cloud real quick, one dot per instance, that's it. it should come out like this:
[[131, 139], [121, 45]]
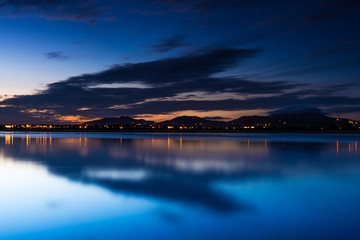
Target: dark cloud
[[165, 71], [235, 85], [57, 55], [159, 7], [327, 64], [343, 4], [217, 118], [166, 77], [166, 86], [75, 10], [169, 44], [293, 16], [323, 16], [350, 42], [330, 10], [283, 100], [325, 52], [13, 115], [209, 5]]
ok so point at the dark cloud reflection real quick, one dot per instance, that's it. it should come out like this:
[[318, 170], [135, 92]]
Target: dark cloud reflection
[[177, 169]]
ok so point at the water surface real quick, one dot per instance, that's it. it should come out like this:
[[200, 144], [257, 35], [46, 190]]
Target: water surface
[[179, 186]]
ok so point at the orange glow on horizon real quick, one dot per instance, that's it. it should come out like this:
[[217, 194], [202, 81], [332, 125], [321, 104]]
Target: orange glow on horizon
[[77, 119], [229, 115]]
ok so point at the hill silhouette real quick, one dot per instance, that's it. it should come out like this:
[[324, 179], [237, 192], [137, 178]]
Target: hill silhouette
[[193, 121], [123, 120], [287, 118]]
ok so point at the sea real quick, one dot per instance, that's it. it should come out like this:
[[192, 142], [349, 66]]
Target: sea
[[87, 186]]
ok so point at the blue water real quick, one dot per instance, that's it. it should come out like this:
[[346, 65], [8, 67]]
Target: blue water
[[179, 186]]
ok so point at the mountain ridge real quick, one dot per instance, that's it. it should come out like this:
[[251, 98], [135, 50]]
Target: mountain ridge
[[284, 118]]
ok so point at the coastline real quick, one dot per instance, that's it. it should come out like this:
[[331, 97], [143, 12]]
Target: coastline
[[182, 131]]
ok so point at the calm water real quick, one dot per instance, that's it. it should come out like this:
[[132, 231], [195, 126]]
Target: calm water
[[179, 186]]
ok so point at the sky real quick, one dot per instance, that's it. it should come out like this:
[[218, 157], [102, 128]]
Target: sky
[[70, 61]]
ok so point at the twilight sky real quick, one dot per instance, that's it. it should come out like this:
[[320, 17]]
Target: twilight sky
[[76, 60]]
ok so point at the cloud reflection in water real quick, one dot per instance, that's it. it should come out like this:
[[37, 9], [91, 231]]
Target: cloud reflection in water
[[188, 171]]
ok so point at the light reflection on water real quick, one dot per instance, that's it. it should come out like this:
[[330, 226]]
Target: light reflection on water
[[177, 186]]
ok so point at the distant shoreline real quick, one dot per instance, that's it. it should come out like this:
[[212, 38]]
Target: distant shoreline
[[177, 131]]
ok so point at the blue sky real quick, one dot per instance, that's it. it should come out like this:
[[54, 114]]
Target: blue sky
[[71, 60]]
